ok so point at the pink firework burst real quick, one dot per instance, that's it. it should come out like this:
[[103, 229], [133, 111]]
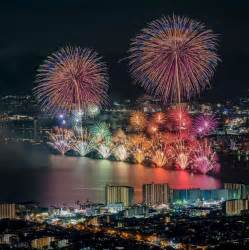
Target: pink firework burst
[[174, 58], [180, 118], [205, 125], [72, 78], [204, 159]]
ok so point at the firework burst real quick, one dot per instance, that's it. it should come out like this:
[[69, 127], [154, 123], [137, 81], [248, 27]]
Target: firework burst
[[159, 158], [139, 147], [180, 118], [93, 110], [83, 147], [204, 159], [101, 132], [152, 129], [120, 153], [83, 144], [169, 138], [104, 150], [60, 139], [174, 58], [159, 118], [205, 125], [158, 150], [182, 154], [119, 137], [138, 120], [72, 78]]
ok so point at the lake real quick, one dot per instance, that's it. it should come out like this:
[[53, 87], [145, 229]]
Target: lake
[[29, 173]]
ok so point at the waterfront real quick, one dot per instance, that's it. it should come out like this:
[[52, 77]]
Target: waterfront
[[37, 175]]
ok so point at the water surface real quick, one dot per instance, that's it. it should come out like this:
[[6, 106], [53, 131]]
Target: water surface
[[33, 174]]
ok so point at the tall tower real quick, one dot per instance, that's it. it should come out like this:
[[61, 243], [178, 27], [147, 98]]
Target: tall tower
[[156, 194], [7, 211], [119, 194]]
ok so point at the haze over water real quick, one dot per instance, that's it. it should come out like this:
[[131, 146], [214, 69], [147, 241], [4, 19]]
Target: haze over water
[[32, 174]]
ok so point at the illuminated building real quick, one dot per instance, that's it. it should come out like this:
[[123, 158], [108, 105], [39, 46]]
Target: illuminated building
[[156, 194], [93, 221], [235, 207], [18, 104], [242, 189], [7, 211], [136, 211], [42, 243], [219, 194], [115, 208], [119, 194], [193, 195], [185, 195]]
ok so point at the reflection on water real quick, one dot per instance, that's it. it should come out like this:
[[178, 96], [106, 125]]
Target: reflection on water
[[54, 180]]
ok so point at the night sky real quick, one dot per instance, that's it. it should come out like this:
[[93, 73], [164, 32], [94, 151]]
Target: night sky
[[32, 30]]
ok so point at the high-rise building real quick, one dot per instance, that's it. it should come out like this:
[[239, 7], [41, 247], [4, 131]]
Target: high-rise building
[[193, 195], [119, 194], [42, 243], [213, 194], [235, 207], [156, 194], [242, 189], [7, 211], [185, 195]]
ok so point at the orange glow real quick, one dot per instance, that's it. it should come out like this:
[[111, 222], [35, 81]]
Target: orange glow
[[152, 129], [159, 118], [139, 147], [138, 120], [139, 156], [159, 158]]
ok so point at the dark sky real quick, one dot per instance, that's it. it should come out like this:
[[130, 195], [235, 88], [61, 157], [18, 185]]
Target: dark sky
[[30, 30]]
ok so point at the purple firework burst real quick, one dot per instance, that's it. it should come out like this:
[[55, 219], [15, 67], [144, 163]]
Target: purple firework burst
[[205, 124]]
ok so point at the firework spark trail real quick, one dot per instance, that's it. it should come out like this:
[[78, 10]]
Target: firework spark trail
[[182, 153], [101, 132], [159, 158], [204, 125], [139, 147], [174, 58], [60, 139], [71, 78], [105, 150], [180, 118], [76, 119], [152, 129], [120, 153], [83, 144], [93, 110], [158, 150], [138, 120], [83, 147], [204, 159], [159, 118], [119, 137], [164, 148]]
